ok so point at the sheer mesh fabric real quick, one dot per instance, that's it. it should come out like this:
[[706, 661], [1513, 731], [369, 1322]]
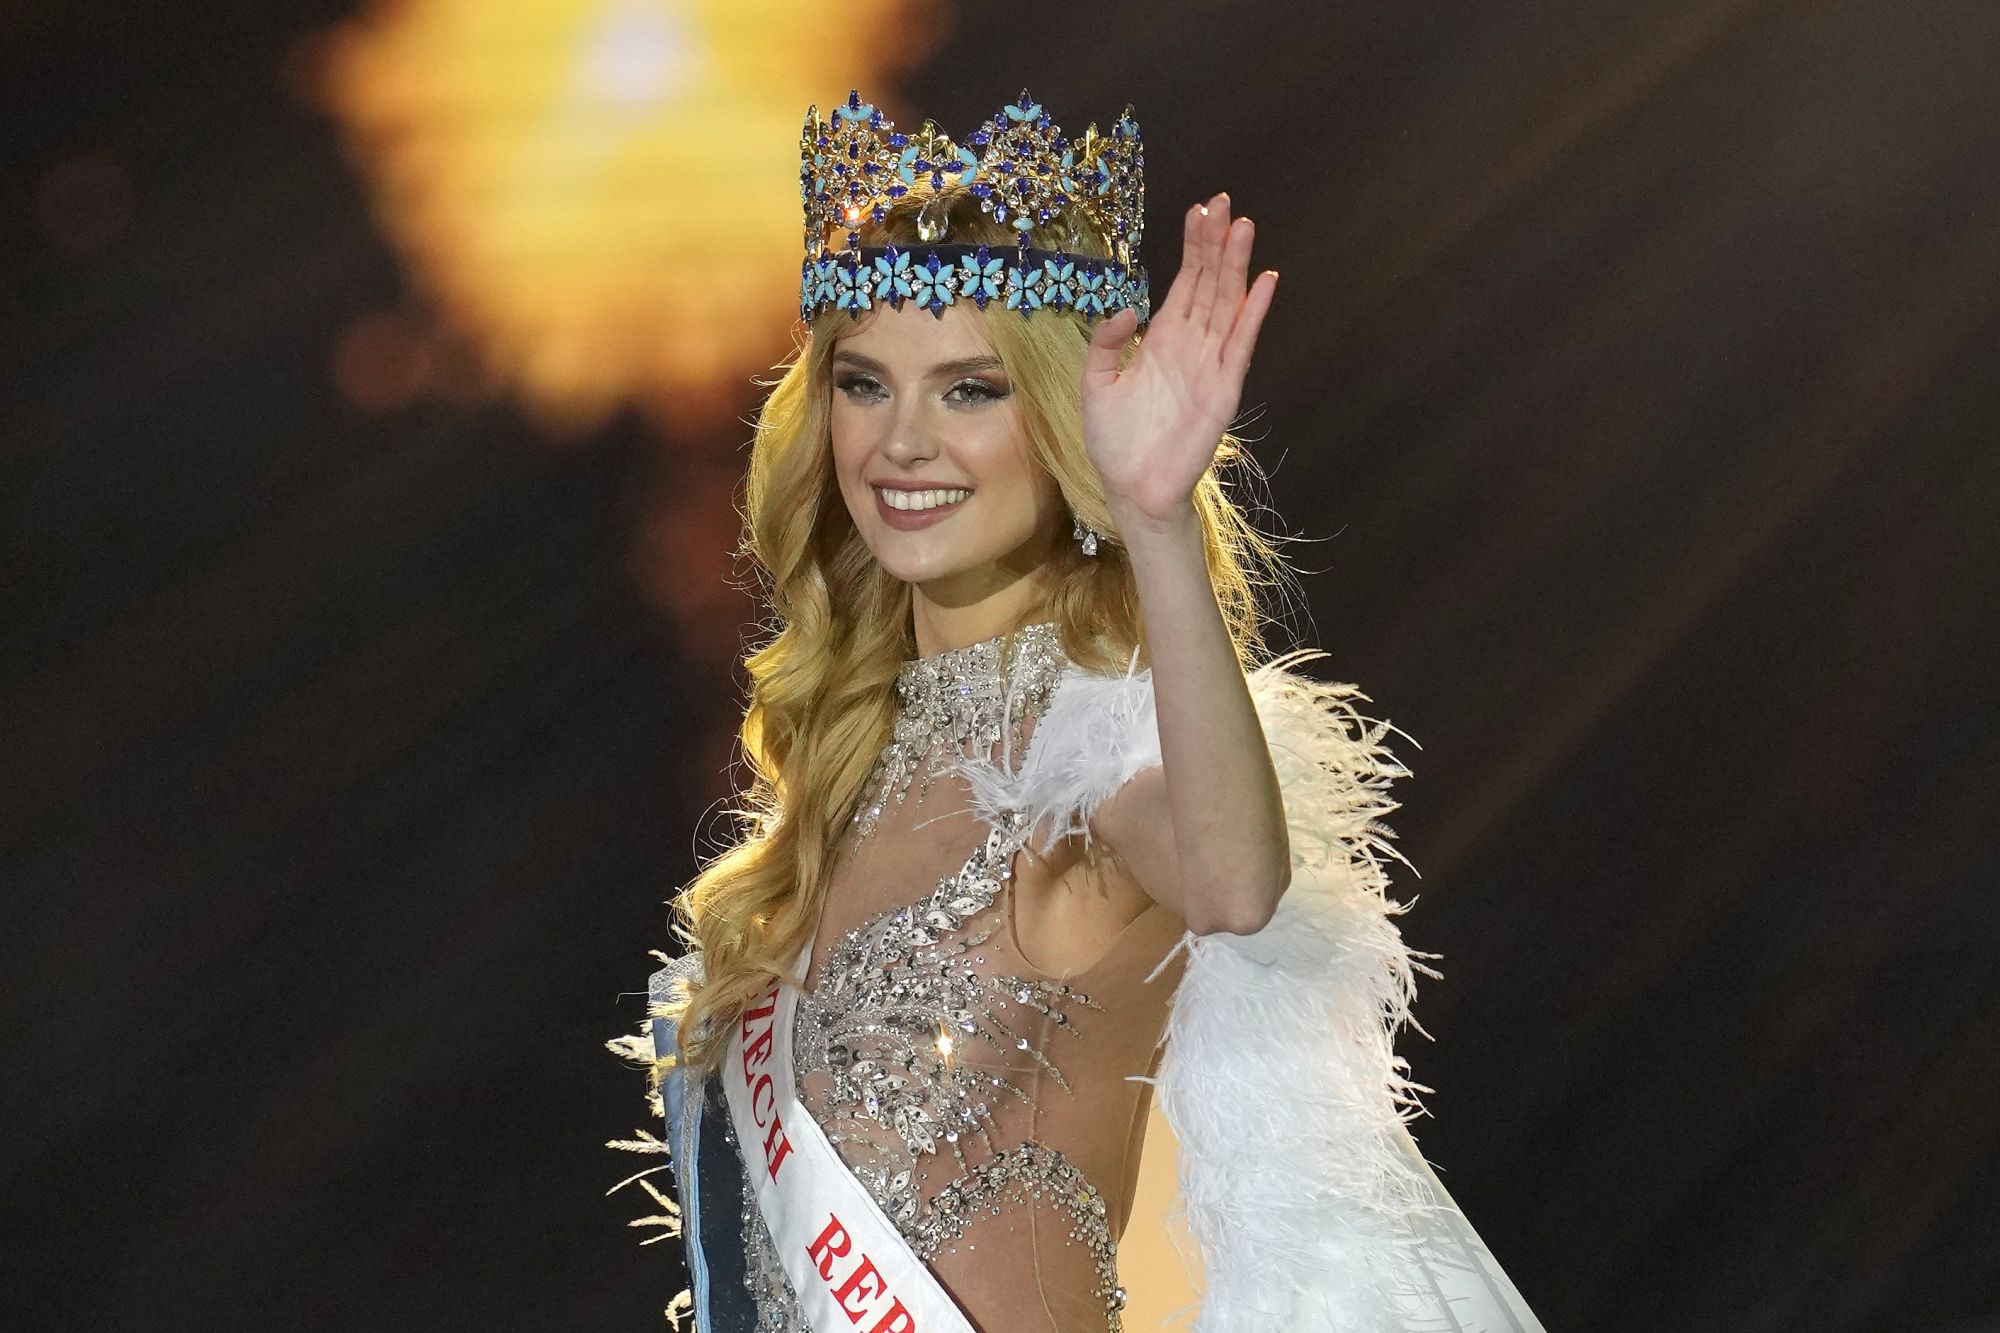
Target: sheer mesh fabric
[[970, 1020]]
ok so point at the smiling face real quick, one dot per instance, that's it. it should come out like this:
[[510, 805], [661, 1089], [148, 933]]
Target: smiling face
[[933, 457]]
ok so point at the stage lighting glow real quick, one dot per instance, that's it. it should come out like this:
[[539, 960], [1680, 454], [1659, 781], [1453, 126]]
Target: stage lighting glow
[[602, 195]]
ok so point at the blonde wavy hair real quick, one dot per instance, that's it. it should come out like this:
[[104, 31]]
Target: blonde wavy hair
[[822, 689]]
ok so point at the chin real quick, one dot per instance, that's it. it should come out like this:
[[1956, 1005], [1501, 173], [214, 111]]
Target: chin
[[943, 555], [911, 567]]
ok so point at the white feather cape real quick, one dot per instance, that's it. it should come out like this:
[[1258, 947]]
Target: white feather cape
[[1297, 1177]]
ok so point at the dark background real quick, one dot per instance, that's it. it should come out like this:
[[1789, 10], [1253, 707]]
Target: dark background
[[1635, 362]]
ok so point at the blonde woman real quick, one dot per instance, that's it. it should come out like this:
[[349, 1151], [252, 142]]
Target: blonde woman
[[1032, 829]]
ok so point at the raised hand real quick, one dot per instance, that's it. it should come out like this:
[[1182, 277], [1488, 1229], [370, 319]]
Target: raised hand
[[1153, 427]]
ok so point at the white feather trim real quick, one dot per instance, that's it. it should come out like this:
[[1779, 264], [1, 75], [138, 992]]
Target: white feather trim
[[1298, 1179], [1098, 733], [1280, 1079]]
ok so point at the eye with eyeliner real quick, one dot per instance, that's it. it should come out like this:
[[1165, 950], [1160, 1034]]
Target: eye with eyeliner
[[965, 393], [984, 392], [856, 385]]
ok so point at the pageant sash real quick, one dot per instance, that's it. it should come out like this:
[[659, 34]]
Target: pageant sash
[[849, 1266]]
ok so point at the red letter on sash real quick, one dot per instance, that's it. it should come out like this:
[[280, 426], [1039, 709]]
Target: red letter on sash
[[832, 1243], [864, 1272], [776, 1148], [756, 1050], [760, 1045], [898, 1320], [763, 1010]]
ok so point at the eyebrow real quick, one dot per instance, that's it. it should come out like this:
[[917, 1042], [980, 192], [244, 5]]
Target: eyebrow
[[962, 366]]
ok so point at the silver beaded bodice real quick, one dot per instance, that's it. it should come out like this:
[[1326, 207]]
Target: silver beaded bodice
[[962, 701], [925, 1041]]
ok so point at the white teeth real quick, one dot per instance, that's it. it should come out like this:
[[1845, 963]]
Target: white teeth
[[916, 500]]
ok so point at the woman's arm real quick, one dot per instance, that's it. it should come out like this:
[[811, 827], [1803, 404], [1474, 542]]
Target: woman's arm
[[1204, 833]]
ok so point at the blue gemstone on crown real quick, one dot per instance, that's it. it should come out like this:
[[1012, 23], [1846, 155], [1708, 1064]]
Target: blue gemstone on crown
[[1024, 172]]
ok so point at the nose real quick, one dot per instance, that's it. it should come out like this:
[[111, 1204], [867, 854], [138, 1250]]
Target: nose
[[911, 439]]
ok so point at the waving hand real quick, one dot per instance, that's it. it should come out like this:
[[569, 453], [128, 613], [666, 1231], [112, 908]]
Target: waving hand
[[1153, 427]]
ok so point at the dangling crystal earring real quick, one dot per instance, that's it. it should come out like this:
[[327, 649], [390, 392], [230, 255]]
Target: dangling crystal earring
[[1086, 537]]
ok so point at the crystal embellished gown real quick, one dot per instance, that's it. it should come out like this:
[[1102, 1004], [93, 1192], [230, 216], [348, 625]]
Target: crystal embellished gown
[[970, 1068], [980, 1043]]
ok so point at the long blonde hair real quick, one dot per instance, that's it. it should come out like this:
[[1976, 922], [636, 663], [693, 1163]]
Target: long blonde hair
[[822, 690]]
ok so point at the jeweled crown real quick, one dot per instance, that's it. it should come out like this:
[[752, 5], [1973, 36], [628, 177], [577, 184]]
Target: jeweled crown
[[1025, 173]]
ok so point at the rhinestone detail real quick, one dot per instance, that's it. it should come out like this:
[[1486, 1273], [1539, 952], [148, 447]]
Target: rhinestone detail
[[961, 703], [899, 996]]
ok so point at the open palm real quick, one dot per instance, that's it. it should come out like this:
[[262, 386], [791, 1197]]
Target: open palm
[[1152, 428]]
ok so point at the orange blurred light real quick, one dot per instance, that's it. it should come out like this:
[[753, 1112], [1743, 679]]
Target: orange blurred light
[[603, 194]]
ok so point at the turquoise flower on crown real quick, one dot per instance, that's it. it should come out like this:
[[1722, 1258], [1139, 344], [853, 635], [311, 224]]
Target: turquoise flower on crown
[[1090, 291], [1117, 287], [1024, 287], [962, 167], [851, 287], [892, 276], [933, 285], [1058, 283], [825, 280], [855, 110], [982, 276]]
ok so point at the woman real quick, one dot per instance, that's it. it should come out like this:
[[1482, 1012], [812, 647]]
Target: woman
[[1021, 811]]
